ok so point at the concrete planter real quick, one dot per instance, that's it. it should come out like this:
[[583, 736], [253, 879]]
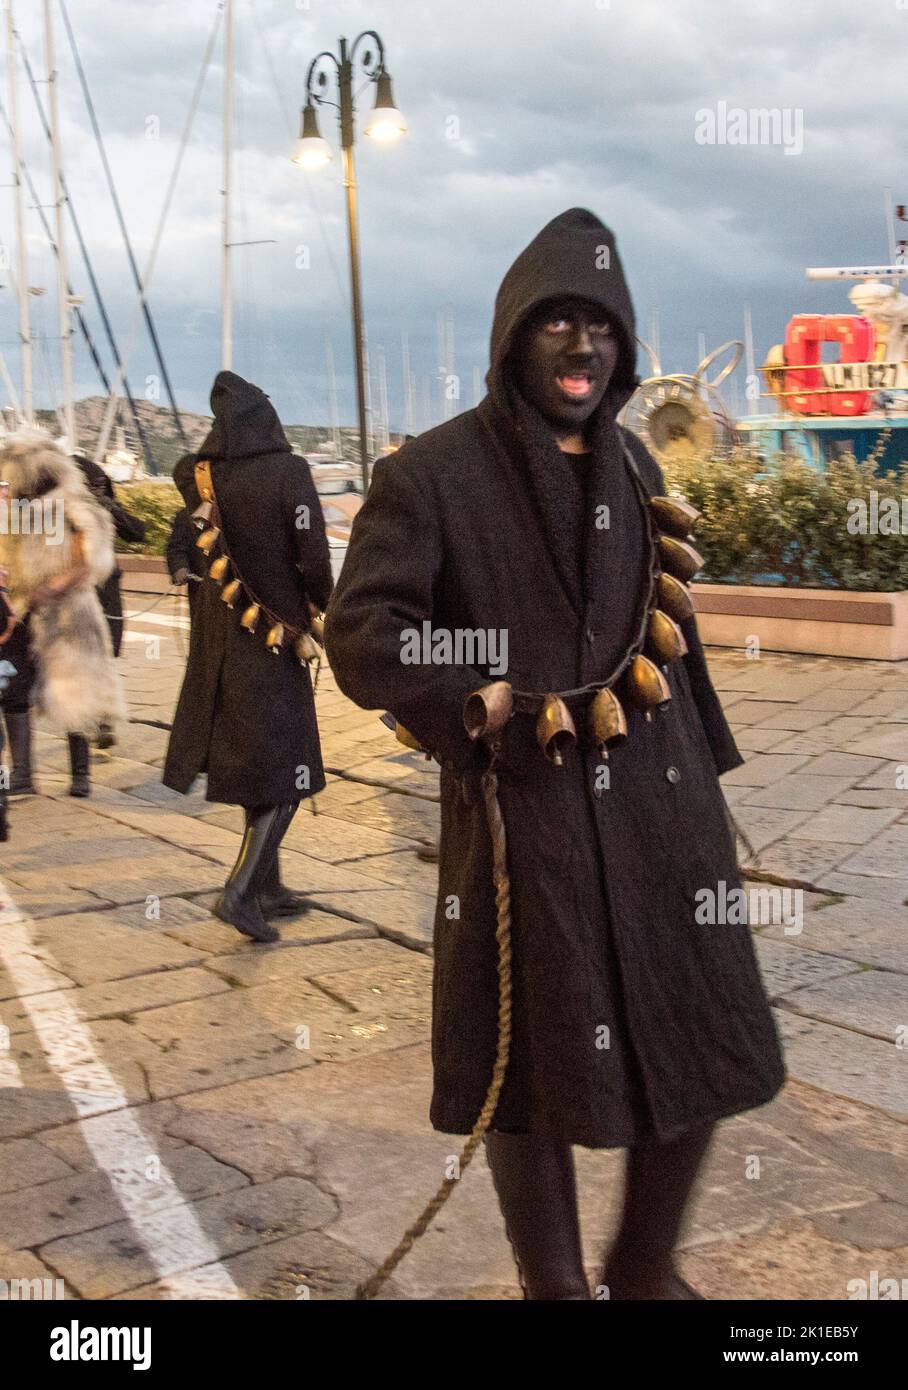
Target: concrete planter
[[824, 622]]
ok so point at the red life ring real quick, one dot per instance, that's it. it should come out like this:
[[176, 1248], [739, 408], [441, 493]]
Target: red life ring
[[804, 334]]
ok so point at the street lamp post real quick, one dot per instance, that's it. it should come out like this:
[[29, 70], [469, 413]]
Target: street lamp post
[[312, 152]]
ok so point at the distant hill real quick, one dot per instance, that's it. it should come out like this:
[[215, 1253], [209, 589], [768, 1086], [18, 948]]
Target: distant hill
[[164, 439]]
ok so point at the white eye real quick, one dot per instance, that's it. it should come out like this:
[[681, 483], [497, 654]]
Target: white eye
[[558, 326]]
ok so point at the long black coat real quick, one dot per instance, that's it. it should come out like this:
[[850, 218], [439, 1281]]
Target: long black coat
[[245, 715], [603, 882]]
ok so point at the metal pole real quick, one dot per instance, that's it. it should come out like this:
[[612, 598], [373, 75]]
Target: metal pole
[[21, 258], [345, 83], [226, 282], [66, 346]]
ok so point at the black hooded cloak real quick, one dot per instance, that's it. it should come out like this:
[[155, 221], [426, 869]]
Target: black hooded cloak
[[631, 1018], [245, 715]]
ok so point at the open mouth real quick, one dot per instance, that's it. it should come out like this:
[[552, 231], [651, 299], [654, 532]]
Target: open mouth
[[577, 386]]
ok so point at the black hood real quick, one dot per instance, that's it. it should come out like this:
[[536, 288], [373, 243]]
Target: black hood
[[576, 255], [245, 421]]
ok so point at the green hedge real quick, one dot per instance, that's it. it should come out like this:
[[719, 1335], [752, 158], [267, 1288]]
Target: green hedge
[[780, 522], [785, 522], [157, 504]]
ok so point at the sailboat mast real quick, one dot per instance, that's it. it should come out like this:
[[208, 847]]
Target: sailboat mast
[[226, 279], [66, 344], [25, 334]]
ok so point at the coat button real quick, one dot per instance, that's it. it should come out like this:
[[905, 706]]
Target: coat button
[[672, 775]]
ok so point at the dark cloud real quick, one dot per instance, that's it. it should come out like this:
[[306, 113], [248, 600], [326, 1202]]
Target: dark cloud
[[551, 104]]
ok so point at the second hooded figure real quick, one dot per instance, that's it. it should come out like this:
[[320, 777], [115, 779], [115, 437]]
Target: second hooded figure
[[246, 712]]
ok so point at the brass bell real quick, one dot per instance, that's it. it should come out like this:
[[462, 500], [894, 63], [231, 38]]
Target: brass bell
[[680, 558], [318, 628], [486, 711], [406, 738], [674, 598], [665, 638], [218, 568], [646, 685], [555, 730], [674, 515], [207, 539], [306, 650], [230, 592], [275, 638], [250, 618], [607, 721]]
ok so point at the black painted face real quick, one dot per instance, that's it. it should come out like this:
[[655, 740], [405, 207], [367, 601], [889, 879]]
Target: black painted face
[[564, 357]]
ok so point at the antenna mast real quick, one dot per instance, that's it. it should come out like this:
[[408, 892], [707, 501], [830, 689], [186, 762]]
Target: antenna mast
[[226, 283], [66, 345], [25, 334]]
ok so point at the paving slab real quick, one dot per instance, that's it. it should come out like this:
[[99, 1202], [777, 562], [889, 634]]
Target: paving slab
[[874, 1002], [885, 856], [86, 1201], [25, 1163], [788, 967], [845, 825], [845, 1062], [94, 948], [873, 1226], [201, 1063], [306, 1267], [114, 998], [297, 963], [108, 1260], [871, 933], [798, 792], [789, 1261]]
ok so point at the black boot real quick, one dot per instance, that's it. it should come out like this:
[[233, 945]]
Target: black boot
[[658, 1184], [275, 898], [19, 728], [537, 1192], [238, 904], [78, 763], [106, 736]]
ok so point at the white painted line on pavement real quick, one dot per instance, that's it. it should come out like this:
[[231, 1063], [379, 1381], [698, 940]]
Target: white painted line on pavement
[[167, 1228]]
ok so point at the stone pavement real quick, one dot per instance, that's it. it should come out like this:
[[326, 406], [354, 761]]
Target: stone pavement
[[185, 1114]]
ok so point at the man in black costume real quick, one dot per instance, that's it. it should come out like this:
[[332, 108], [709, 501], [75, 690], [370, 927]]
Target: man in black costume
[[634, 1025], [246, 713]]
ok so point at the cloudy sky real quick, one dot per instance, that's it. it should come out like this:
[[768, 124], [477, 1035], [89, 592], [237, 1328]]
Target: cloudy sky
[[552, 104]]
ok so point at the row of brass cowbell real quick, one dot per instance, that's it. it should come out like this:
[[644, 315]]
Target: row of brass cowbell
[[488, 710], [305, 645]]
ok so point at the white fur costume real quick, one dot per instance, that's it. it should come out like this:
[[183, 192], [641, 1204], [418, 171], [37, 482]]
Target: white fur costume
[[77, 685]]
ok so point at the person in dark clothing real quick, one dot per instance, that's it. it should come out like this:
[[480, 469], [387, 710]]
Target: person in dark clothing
[[633, 1024], [185, 562], [246, 712], [128, 528]]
